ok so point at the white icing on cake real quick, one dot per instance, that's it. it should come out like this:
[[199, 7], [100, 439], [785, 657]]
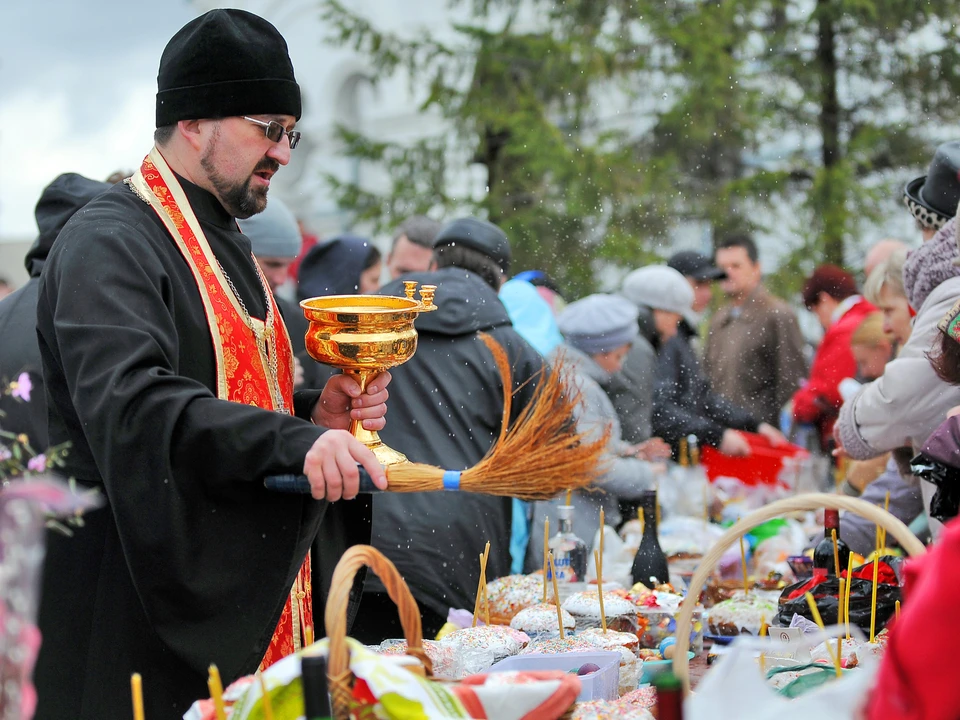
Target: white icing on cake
[[541, 619], [587, 605]]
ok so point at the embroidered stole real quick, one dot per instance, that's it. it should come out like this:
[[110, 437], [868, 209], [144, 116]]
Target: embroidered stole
[[254, 362]]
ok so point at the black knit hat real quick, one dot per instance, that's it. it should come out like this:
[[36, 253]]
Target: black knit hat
[[480, 235], [226, 63]]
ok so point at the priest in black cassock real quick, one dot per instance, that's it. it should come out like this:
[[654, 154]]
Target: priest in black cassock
[[169, 370]]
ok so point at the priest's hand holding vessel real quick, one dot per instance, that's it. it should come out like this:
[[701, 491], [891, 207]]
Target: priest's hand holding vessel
[[364, 335]]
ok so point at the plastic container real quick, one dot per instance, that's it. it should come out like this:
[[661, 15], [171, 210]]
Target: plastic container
[[662, 623], [600, 685], [761, 467]]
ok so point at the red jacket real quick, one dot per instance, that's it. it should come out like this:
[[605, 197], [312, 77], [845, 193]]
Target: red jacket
[[917, 679], [818, 401]]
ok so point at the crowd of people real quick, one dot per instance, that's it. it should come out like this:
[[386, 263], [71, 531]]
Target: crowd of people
[[173, 364]]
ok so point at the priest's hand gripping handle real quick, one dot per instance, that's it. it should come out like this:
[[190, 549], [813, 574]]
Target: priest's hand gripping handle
[[299, 483]]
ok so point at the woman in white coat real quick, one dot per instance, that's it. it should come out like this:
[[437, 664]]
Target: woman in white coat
[[908, 402]]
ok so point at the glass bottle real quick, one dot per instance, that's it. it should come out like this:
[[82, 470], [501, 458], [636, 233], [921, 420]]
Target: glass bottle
[[569, 551], [669, 696], [650, 564], [824, 563], [316, 698]]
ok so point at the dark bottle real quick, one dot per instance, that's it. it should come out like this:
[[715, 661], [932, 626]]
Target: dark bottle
[[316, 698], [823, 558], [650, 562], [669, 696]]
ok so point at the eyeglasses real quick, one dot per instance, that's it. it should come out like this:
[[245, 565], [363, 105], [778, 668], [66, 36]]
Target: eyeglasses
[[275, 131]]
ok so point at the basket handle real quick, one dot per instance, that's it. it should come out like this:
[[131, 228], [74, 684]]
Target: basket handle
[[335, 618], [810, 501]]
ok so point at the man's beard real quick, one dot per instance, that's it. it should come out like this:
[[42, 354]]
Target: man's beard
[[238, 198]]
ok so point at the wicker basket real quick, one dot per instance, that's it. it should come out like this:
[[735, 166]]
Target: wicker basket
[[338, 666], [812, 501]]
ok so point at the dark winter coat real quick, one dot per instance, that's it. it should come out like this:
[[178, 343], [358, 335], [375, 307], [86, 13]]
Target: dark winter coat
[[18, 312], [683, 402], [445, 409]]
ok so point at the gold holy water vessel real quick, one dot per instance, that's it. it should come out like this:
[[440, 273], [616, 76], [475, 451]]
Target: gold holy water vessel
[[364, 335]]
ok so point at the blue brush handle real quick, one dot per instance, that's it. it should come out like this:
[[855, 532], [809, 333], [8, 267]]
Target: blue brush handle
[[300, 484]]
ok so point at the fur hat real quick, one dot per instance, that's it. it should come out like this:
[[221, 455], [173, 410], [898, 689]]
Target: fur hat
[[599, 323], [696, 265], [480, 235], [273, 232], [334, 267], [226, 63], [659, 287], [932, 198]]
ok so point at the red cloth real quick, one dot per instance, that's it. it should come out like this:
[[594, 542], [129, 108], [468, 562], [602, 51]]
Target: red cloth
[[917, 679], [818, 401]]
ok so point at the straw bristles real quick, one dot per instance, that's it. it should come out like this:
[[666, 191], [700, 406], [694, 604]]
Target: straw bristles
[[538, 457], [542, 453]]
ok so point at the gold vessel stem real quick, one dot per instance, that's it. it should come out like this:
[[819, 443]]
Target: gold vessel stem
[[386, 455]]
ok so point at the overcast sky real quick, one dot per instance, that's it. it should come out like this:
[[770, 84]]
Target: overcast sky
[[77, 86]]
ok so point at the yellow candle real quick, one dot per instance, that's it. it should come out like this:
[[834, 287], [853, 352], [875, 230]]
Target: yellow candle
[[873, 601], [267, 703], [743, 566], [136, 689], [816, 617], [476, 605], [216, 693], [846, 600], [599, 559], [486, 595], [841, 603], [763, 633], [546, 542], [836, 552], [556, 594], [603, 614]]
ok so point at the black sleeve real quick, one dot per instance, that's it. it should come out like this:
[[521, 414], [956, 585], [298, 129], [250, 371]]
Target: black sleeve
[[675, 414], [108, 319], [726, 413]]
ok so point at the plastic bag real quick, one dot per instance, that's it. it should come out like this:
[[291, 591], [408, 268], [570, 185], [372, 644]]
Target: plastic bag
[[684, 492], [736, 689], [825, 594], [770, 556], [739, 499], [617, 558], [945, 503]]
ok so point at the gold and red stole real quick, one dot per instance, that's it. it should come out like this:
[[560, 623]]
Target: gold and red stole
[[254, 358]]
